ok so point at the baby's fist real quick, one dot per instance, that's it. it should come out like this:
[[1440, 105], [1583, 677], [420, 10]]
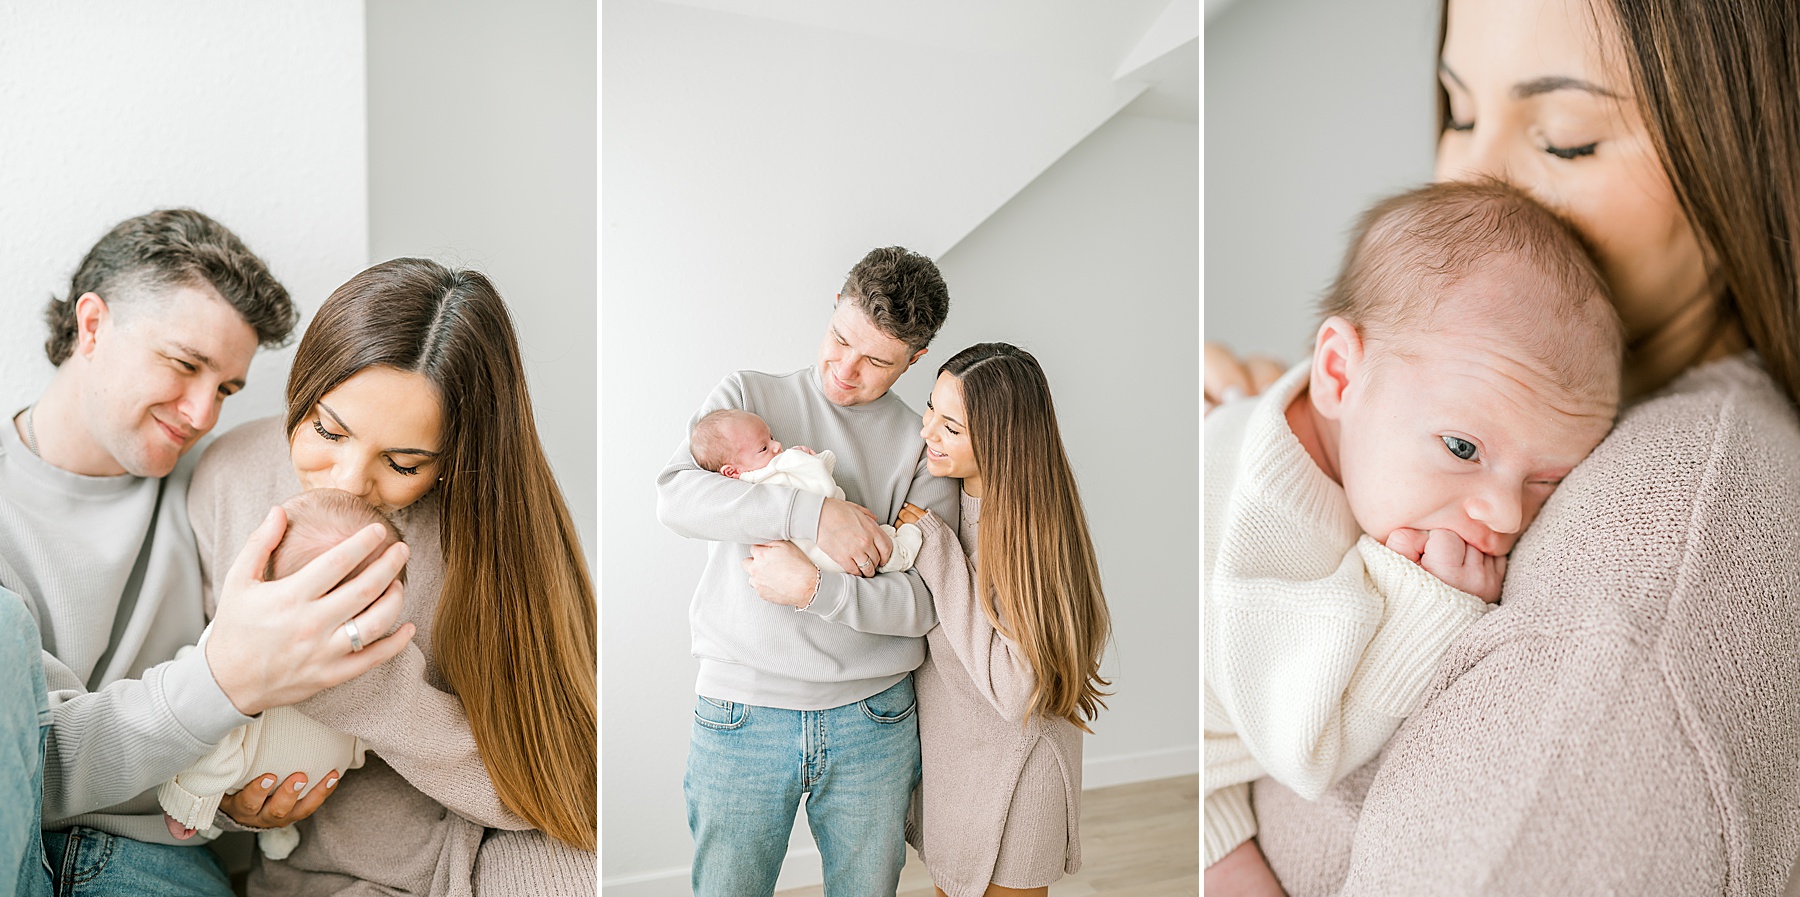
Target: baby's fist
[[1446, 556]]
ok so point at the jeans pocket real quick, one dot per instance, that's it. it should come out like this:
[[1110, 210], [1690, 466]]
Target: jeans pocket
[[722, 715], [893, 705]]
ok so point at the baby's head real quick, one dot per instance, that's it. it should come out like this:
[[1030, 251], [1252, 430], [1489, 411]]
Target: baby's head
[[319, 519], [1469, 359], [732, 442]]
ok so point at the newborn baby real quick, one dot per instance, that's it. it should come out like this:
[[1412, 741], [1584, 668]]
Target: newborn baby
[[282, 740], [738, 444], [1359, 513]]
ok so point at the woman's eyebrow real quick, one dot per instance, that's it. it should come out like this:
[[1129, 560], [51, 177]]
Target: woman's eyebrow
[[1537, 86], [393, 451]]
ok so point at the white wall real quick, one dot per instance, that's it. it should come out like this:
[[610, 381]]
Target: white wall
[[249, 112], [1314, 109], [738, 185], [482, 154]]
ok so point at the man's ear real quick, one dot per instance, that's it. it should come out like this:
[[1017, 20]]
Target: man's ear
[[1337, 361], [914, 359], [730, 470], [91, 312]]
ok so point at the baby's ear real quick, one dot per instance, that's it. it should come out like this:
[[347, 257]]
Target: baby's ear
[[1336, 362], [730, 470]]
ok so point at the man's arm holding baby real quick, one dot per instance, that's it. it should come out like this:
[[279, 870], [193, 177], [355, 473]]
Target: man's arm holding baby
[[699, 504], [885, 604]]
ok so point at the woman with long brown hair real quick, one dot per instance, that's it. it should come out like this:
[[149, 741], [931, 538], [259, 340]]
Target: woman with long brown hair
[[1627, 721], [1012, 671], [408, 390]]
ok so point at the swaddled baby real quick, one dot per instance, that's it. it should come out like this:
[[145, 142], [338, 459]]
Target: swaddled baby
[[738, 444], [282, 740]]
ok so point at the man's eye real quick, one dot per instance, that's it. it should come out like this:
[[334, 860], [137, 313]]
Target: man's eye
[[1461, 448]]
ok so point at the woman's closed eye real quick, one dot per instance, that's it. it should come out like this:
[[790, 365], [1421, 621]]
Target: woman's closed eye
[[407, 471], [1572, 152], [1461, 448], [319, 427]]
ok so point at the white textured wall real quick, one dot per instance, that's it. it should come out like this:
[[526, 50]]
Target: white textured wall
[[481, 154], [1314, 109], [250, 112], [734, 198]]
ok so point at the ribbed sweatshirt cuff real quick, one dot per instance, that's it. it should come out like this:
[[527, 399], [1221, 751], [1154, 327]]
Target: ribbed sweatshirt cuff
[[1421, 616], [1229, 821], [195, 700], [803, 517]]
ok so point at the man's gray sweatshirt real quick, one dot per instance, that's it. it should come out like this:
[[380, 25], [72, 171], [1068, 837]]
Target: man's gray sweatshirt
[[860, 635], [108, 567]]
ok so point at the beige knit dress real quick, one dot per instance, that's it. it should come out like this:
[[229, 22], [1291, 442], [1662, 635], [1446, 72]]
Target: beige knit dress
[[422, 817], [1627, 721], [999, 798]]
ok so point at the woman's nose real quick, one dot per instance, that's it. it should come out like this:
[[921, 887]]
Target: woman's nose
[[1466, 156], [351, 477]]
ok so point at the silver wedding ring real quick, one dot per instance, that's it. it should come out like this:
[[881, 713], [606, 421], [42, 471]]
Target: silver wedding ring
[[355, 636], [861, 564]]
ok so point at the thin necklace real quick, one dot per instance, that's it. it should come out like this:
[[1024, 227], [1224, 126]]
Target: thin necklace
[[31, 429]]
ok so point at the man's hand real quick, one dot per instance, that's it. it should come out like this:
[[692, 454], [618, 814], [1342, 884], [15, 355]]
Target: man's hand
[[1446, 556], [275, 643], [262, 805], [781, 574], [850, 535]]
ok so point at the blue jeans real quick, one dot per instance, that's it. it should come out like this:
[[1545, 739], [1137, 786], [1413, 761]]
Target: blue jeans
[[25, 722], [81, 861], [91, 863], [749, 766]]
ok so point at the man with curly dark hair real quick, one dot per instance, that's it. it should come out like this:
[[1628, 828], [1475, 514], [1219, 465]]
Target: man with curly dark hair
[[158, 328], [776, 686]]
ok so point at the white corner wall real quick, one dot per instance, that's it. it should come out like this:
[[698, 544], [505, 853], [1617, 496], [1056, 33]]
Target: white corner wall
[[712, 263], [249, 112], [482, 155], [1314, 109]]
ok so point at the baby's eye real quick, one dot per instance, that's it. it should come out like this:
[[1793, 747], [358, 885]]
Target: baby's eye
[[1461, 448]]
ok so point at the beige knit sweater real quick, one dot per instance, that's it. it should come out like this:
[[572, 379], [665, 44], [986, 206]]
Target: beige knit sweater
[[421, 818], [976, 735], [1319, 640], [1628, 720]]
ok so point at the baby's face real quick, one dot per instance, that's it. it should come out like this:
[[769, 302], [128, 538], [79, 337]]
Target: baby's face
[[752, 446], [1460, 437]]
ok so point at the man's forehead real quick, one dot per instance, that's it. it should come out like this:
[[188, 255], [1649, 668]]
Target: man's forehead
[[196, 321], [855, 326]]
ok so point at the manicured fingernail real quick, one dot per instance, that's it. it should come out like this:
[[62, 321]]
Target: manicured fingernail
[[1232, 393], [331, 781], [299, 785], [268, 783]]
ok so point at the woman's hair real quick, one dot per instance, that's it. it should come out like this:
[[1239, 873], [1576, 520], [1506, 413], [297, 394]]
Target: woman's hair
[[1717, 82], [514, 631], [1036, 558]]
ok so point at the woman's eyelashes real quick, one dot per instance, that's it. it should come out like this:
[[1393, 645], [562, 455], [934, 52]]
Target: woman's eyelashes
[[1461, 448], [319, 427], [1571, 152]]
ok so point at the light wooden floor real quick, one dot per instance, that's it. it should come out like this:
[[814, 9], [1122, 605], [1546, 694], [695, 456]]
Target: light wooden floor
[[1139, 840]]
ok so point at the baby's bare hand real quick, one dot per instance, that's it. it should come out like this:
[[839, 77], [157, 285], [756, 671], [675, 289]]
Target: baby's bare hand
[[1446, 556]]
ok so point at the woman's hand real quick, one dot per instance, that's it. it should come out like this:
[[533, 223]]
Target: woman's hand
[[262, 805], [1225, 377], [910, 513], [781, 574]]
